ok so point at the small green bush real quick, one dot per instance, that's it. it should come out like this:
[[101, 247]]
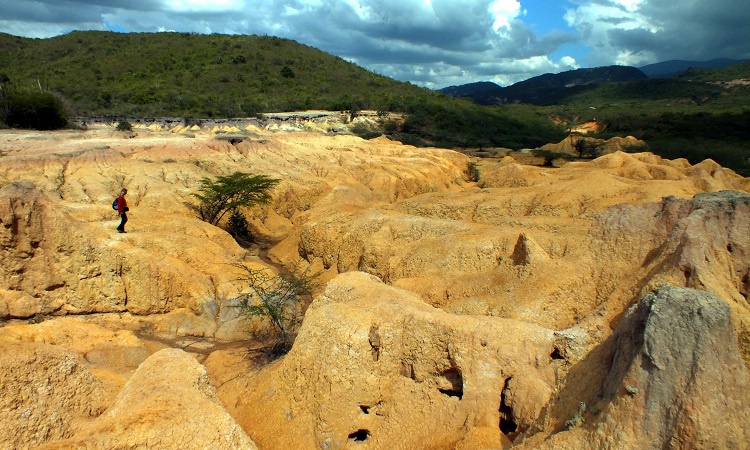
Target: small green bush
[[238, 227], [587, 148], [473, 171], [364, 131], [550, 156], [124, 125], [577, 420], [390, 127]]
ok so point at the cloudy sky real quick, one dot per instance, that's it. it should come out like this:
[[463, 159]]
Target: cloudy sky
[[433, 43]]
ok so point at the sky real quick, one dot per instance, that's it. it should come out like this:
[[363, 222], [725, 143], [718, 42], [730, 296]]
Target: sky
[[431, 43]]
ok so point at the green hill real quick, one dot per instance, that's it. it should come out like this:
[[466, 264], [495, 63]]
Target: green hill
[[728, 73], [702, 113], [189, 74]]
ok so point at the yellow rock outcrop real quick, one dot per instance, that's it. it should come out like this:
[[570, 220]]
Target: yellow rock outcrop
[[456, 314]]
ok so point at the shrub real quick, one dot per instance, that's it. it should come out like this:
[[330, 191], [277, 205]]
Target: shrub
[[364, 131], [550, 156], [473, 171], [587, 148], [124, 125], [276, 298], [390, 127], [238, 227], [227, 193], [578, 418], [39, 111]]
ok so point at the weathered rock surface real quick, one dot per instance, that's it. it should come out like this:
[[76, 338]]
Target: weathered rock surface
[[62, 256], [702, 243], [110, 355], [55, 263], [45, 394], [676, 380], [375, 365], [167, 404], [492, 320], [459, 250]]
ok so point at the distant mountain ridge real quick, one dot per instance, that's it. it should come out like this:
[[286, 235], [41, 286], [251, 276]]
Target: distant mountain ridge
[[676, 66], [550, 89], [544, 89]]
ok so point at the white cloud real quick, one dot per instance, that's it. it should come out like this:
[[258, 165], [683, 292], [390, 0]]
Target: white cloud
[[504, 12], [638, 32], [630, 5], [569, 61]]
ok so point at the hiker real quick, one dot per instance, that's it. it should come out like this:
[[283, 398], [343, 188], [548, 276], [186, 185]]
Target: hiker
[[122, 209]]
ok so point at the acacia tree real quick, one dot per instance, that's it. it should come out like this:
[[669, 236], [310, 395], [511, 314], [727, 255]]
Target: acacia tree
[[229, 192], [276, 298]]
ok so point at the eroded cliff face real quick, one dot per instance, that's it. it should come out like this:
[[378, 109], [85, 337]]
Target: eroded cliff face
[[456, 314]]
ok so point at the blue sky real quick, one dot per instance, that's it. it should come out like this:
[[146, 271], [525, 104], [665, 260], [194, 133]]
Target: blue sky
[[432, 43], [544, 16]]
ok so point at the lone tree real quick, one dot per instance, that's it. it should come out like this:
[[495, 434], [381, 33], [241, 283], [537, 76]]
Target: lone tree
[[276, 298], [586, 148], [550, 156], [230, 192]]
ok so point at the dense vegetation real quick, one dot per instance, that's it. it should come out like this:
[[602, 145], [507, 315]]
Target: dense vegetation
[[696, 115], [181, 74], [692, 116], [38, 110]]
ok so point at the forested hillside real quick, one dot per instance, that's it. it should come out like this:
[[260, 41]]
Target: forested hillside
[[191, 74]]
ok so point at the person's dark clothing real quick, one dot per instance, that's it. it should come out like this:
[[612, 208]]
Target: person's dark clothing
[[122, 209]]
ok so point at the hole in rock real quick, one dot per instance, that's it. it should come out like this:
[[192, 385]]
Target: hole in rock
[[556, 354], [365, 409], [452, 393], [729, 248], [452, 384], [359, 436], [407, 370], [507, 424]]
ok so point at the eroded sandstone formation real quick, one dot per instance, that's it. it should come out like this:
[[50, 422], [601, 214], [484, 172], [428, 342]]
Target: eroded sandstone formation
[[45, 394], [168, 403], [375, 364], [456, 314]]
